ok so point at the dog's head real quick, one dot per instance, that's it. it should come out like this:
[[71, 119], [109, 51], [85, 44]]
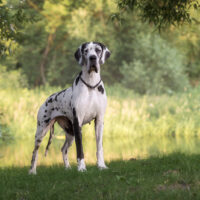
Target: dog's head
[[92, 55]]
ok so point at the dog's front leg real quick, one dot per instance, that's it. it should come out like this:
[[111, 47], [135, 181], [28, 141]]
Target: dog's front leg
[[78, 140], [99, 143]]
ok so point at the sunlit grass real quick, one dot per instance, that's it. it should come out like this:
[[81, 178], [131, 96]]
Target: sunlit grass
[[134, 127]]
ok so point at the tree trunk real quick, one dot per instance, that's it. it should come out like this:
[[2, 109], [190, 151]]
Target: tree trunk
[[44, 57]]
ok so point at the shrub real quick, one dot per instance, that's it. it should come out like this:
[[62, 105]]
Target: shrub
[[12, 79], [155, 68]]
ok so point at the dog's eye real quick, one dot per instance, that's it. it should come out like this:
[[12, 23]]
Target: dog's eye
[[97, 50], [86, 50]]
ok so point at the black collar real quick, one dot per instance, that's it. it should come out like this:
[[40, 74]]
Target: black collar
[[90, 86]]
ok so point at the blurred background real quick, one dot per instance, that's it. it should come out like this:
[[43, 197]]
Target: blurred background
[[152, 79]]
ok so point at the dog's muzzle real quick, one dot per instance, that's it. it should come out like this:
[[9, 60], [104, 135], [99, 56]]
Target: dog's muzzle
[[93, 64]]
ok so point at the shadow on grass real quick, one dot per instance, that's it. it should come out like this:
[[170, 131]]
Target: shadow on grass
[[176, 176]]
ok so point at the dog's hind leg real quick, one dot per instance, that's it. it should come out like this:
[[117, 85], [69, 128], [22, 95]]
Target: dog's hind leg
[[68, 142], [38, 140], [66, 125], [40, 133]]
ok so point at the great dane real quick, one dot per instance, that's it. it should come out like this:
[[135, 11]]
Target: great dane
[[78, 105]]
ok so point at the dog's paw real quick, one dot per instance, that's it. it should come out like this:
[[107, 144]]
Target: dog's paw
[[32, 171], [82, 169], [102, 167], [67, 167], [81, 165], [101, 164]]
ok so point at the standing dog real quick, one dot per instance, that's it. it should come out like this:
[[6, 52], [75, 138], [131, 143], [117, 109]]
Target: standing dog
[[78, 105]]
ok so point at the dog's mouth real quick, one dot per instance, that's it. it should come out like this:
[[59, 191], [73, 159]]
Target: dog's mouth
[[93, 68]]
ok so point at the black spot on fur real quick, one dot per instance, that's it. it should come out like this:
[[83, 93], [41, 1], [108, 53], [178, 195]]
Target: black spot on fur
[[78, 136], [57, 109], [52, 95], [52, 109], [46, 103], [38, 140], [63, 112], [100, 44], [77, 79], [45, 111], [44, 115], [47, 120], [83, 47], [101, 89], [50, 100], [38, 122], [59, 94]]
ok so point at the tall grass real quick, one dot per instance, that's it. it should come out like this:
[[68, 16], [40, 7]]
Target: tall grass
[[135, 126]]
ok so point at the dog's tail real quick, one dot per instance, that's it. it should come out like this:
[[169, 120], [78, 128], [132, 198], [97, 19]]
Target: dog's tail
[[50, 138]]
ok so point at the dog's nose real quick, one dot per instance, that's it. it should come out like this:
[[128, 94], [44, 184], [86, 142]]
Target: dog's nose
[[93, 58]]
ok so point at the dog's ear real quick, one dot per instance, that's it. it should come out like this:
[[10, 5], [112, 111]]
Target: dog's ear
[[105, 53], [78, 55]]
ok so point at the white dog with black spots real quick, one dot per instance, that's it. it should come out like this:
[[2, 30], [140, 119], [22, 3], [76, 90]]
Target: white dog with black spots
[[78, 105]]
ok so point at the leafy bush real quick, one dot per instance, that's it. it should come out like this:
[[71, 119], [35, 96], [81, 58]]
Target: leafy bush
[[12, 78], [155, 68]]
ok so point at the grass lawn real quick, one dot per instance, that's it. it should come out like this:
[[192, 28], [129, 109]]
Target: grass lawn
[[176, 176]]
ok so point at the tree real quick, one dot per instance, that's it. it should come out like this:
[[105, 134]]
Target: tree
[[159, 12], [13, 16]]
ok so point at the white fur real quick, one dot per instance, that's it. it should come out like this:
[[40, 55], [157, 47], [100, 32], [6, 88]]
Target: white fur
[[99, 144], [81, 165]]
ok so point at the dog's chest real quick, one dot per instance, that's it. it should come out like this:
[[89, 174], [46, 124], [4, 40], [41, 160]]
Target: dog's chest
[[90, 104], [92, 108]]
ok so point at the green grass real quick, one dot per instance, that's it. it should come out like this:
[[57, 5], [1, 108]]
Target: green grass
[[176, 176]]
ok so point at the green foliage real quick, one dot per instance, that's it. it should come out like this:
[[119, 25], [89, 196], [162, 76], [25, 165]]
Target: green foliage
[[187, 41], [13, 14], [12, 79], [45, 49], [161, 13], [156, 67]]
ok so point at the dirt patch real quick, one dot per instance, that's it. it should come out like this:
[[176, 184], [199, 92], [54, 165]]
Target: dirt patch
[[172, 187], [171, 172]]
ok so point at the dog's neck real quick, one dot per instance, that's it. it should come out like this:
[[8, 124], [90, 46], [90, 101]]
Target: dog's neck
[[91, 78]]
